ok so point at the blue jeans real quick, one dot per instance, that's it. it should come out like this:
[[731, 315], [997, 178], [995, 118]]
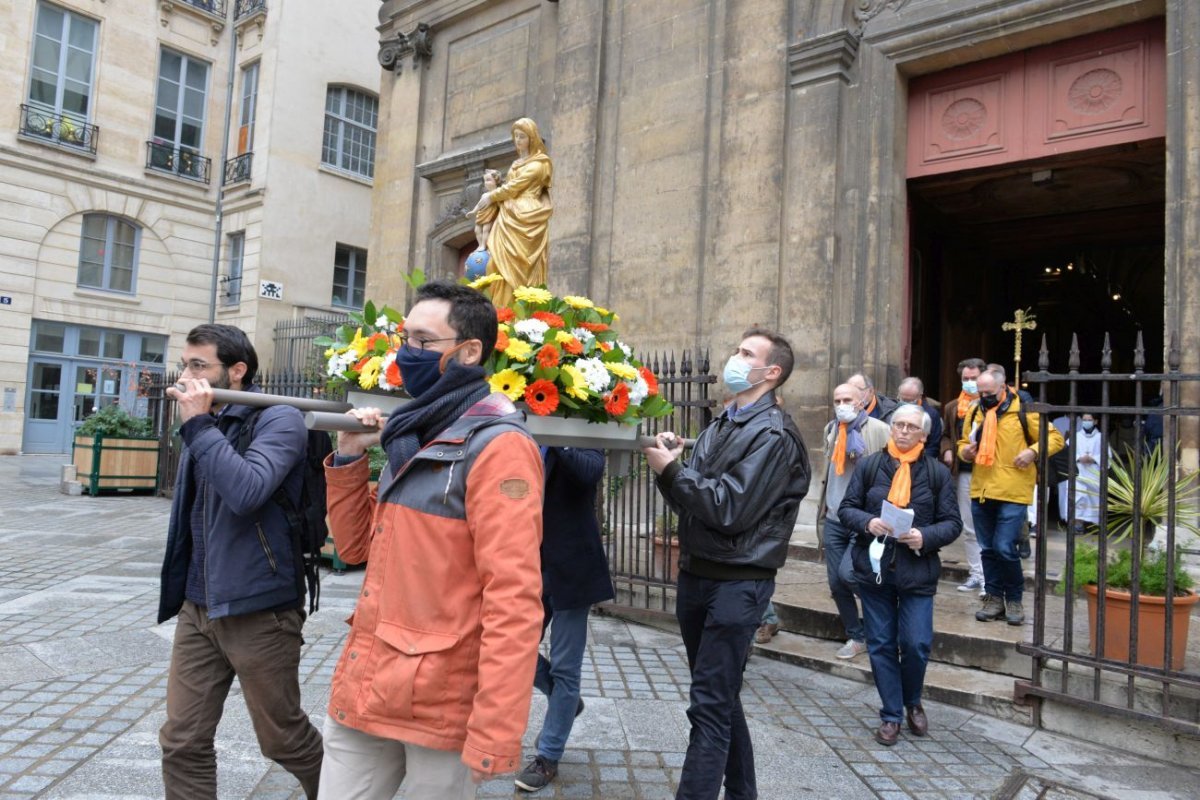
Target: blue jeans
[[998, 529], [837, 542], [717, 620], [899, 637], [769, 616], [558, 677]]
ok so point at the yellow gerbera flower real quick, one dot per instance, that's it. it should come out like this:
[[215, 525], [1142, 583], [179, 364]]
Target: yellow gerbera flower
[[358, 345], [330, 353], [578, 387], [485, 280], [575, 301], [622, 370], [368, 376], [532, 294], [562, 337], [518, 349], [603, 311], [510, 382]]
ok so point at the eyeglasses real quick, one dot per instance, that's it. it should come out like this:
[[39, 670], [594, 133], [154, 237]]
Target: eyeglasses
[[905, 427], [419, 343], [195, 365]]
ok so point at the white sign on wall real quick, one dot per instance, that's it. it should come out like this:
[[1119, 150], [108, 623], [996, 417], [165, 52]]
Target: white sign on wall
[[270, 290]]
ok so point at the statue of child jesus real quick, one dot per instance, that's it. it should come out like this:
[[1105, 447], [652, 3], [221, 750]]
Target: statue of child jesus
[[485, 215]]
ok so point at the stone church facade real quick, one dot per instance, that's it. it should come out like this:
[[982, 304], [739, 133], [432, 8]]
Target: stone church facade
[[719, 163]]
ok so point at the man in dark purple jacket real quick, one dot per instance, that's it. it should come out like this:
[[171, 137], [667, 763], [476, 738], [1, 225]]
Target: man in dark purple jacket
[[230, 573], [574, 576]]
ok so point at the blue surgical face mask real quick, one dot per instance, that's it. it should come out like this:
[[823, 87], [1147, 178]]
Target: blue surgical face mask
[[737, 375], [969, 387], [1087, 426], [419, 369]]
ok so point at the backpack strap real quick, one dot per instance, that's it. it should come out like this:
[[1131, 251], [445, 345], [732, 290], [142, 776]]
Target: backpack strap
[[1022, 416]]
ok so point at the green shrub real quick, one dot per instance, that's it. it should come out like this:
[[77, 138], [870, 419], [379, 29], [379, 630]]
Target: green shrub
[[1152, 577], [112, 420]]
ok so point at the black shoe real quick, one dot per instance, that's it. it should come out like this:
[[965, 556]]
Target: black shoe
[[579, 708], [538, 775], [1023, 548]]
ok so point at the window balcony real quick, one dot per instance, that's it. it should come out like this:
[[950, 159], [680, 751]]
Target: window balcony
[[248, 8], [231, 290], [237, 169], [215, 7], [58, 129], [181, 161]]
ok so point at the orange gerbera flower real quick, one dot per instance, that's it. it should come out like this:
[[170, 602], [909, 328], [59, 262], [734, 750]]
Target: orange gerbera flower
[[573, 346], [362, 362], [393, 374], [616, 402], [505, 314], [594, 327], [542, 397], [550, 318], [375, 337], [605, 346], [650, 379], [501, 341], [548, 356]]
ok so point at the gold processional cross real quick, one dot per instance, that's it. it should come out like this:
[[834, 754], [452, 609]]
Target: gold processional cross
[[1023, 320]]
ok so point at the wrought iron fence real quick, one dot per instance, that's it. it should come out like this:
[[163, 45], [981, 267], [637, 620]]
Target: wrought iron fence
[[1077, 644], [56, 128], [181, 161], [245, 8], [294, 348], [638, 528], [216, 7], [237, 169]]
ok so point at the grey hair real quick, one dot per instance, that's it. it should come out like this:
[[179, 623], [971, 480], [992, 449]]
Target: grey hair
[[907, 409], [912, 380], [998, 371], [870, 384]]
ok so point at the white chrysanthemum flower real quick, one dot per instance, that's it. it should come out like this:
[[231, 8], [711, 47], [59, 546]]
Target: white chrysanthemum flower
[[638, 390], [585, 337], [383, 322], [626, 349], [532, 329], [340, 362], [387, 362], [595, 373]]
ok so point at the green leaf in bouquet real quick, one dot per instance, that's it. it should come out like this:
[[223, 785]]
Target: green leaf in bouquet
[[393, 315], [567, 401], [416, 278], [370, 314], [548, 373], [613, 356], [323, 341]]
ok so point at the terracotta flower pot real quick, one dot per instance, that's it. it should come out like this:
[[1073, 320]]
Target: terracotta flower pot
[[1152, 626], [666, 557]]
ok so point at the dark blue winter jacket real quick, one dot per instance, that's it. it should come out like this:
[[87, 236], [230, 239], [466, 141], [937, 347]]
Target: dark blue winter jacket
[[574, 566], [250, 562]]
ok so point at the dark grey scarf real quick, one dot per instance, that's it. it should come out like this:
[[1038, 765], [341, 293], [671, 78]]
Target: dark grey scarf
[[415, 424]]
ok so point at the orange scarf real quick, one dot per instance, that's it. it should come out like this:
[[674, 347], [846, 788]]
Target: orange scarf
[[839, 450], [986, 456], [874, 402], [901, 492], [964, 400]]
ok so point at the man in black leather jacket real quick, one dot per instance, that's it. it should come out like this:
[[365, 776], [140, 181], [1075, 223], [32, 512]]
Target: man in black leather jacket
[[737, 498]]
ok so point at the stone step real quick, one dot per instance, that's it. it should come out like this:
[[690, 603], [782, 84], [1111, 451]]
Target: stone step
[[805, 607], [972, 689]]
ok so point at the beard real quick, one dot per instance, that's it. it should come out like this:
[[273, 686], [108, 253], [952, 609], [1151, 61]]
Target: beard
[[223, 381]]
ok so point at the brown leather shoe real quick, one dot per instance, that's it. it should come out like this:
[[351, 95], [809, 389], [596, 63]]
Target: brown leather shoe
[[765, 632], [888, 733], [918, 723]]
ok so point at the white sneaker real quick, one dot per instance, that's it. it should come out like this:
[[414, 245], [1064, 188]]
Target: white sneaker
[[973, 582], [851, 649]]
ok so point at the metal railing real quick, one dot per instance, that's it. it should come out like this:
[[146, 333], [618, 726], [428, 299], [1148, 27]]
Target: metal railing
[[231, 290], [1075, 644], [181, 161], [60, 129], [245, 8], [216, 7], [237, 169], [294, 348]]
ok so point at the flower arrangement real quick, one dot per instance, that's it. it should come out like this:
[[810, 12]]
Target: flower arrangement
[[362, 353], [561, 356]]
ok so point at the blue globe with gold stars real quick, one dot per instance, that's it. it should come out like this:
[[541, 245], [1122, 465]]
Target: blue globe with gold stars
[[477, 265]]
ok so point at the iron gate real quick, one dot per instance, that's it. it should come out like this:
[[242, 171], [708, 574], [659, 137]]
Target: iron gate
[[1070, 665]]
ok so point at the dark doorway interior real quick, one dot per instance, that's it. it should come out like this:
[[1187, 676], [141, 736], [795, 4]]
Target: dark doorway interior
[[1078, 240]]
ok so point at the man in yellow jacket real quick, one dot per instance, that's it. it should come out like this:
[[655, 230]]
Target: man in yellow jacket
[[1001, 441]]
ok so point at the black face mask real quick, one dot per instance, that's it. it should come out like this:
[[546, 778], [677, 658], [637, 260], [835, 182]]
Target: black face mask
[[989, 401]]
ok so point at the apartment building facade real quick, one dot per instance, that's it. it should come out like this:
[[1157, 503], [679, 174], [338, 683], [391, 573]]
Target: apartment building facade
[[163, 165]]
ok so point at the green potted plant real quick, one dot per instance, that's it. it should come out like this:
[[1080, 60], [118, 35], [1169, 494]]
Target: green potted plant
[[1152, 500], [115, 450], [1118, 603]]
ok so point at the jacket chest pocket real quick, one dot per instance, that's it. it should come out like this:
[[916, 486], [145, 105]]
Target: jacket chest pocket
[[409, 676]]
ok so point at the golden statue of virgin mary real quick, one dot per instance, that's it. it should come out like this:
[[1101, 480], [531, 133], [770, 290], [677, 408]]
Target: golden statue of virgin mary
[[520, 236]]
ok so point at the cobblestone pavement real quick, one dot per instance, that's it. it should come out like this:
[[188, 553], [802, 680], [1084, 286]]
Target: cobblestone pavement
[[83, 679]]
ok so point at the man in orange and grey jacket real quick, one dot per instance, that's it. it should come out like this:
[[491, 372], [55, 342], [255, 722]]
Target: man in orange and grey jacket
[[433, 687], [1002, 450]]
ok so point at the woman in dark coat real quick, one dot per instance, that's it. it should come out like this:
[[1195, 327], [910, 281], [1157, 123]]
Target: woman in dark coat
[[897, 572]]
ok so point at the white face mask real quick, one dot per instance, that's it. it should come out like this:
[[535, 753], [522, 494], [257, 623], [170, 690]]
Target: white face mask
[[845, 412], [875, 551]]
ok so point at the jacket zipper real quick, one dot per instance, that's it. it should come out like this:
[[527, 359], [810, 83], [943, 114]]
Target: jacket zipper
[[262, 538]]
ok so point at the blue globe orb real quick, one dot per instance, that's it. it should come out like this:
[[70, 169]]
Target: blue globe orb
[[477, 264]]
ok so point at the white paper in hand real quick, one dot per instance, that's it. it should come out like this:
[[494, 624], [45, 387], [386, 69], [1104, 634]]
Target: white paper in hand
[[900, 519]]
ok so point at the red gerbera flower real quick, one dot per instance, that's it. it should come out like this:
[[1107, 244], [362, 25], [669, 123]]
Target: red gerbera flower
[[393, 374], [505, 314], [616, 402], [501, 341], [542, 397], [548, 356], [650, 379], [550, 318], [573, 346], [594, 327]]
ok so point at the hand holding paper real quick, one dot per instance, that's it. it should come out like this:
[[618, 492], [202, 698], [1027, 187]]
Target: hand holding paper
[[898, 519]]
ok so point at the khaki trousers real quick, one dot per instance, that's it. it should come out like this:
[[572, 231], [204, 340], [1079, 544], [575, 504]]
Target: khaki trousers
[[263, 650], [359, 766]]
